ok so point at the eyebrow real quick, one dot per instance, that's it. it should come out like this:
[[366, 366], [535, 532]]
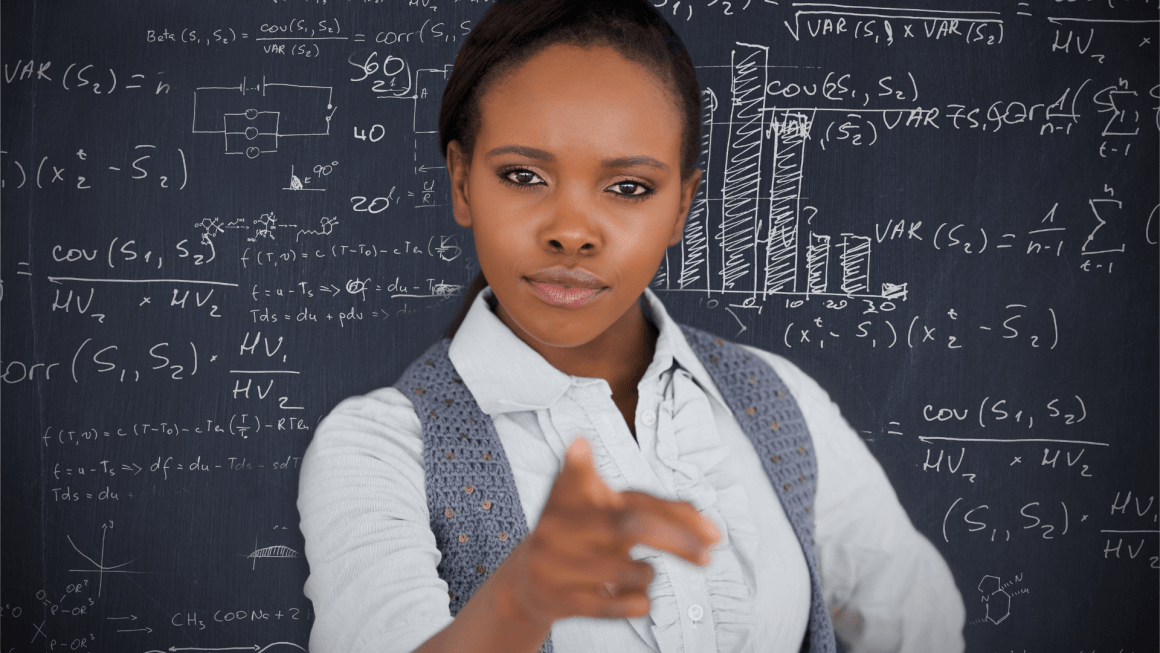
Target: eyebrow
[[617, 162]]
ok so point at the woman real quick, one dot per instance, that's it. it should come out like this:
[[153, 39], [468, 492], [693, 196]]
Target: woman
[[572, 470]]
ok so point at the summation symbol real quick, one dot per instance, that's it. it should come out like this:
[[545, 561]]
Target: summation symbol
[[99, 566]]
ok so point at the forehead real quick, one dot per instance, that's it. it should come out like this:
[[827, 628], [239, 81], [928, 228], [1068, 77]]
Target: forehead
[[567, 96]]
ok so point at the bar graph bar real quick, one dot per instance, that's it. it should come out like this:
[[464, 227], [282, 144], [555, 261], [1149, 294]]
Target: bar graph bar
[[788, 131], [740, 190], [855, 261], [817, 263]]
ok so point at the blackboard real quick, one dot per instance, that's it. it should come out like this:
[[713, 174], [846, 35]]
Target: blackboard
[[222, 218]]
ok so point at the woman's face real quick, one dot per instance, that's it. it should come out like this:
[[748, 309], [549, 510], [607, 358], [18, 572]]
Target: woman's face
[[574, 191]]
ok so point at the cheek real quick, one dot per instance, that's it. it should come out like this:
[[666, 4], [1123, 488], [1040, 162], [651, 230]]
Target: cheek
[[502, 258], [644, 244], [500, 236], [498, 256]]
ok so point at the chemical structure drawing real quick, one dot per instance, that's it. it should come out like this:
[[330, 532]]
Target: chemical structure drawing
[[996, 599], [252, 119]]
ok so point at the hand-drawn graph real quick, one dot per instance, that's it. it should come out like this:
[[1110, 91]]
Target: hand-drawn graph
[[252, 119], [99, 566], [275, 551], [747, 232]]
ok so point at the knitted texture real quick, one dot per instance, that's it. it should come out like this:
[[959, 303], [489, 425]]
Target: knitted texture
[[770, 417], [475, 510], [474, 507]]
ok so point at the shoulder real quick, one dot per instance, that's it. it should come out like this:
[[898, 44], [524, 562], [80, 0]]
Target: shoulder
[[382, 419], [802, 386], [365, 431], [382, 411], [810, 397], [377, 432], [831, 433], [794, 378]]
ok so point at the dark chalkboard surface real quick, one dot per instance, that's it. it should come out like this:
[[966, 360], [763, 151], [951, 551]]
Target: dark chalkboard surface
[[222, 218]]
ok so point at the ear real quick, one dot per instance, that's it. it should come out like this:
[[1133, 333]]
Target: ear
[[459, 171], [688, 191]]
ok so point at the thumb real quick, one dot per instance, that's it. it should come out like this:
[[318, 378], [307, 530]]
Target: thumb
[[580, 464], [579, 452]]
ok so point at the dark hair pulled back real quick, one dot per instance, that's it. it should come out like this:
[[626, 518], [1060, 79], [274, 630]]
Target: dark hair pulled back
[[513, 31]]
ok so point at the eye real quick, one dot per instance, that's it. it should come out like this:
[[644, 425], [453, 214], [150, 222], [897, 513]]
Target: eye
[[631, 190], [633, 186], [525, 177]]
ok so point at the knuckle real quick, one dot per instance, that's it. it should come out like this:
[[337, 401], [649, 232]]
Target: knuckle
[[626, 522], [563, 526]]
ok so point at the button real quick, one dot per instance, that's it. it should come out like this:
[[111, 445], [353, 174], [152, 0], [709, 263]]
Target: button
[[648, 417], [696, 612]]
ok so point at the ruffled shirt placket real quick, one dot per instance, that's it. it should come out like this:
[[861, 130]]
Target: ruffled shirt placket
[[673, 416], [373, 561]]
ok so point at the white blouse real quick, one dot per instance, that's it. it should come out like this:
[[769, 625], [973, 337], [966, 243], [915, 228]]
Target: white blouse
[[372, 555]]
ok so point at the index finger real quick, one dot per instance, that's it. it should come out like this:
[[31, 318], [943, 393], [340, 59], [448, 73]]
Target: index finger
[[578, 482], [673, 526]]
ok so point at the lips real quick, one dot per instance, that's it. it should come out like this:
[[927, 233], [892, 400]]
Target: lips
[[570, 287]]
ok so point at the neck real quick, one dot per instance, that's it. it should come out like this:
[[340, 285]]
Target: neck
[[620, 355]]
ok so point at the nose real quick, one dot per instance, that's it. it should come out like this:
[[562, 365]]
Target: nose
[[573, 229]]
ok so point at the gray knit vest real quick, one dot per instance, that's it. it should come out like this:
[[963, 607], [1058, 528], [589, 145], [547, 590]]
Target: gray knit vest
[[475, 510]]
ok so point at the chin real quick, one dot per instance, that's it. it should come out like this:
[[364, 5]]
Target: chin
[[567, 330]]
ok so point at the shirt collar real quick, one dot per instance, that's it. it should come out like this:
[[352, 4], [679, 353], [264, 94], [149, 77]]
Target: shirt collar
[[505, 375], [672, 346]]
